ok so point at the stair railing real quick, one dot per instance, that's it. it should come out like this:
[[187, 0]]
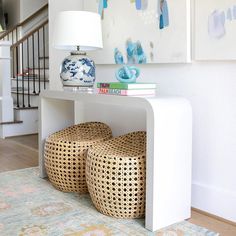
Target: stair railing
[[29, 65], [13, 34]]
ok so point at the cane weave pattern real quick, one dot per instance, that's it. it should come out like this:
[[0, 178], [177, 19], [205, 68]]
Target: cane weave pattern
[[66, 151], [115, 174]]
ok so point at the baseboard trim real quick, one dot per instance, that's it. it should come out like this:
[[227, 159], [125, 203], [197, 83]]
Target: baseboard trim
[[215, 201], [214, 216]]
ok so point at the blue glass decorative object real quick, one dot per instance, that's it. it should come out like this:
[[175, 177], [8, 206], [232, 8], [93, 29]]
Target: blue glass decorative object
[[127, 74], [77, 70]]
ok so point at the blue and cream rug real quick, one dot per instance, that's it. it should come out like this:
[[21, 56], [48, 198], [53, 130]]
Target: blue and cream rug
[[30, 206]]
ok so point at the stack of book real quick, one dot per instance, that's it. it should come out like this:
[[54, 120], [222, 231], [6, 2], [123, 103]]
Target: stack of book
[[127, 89]]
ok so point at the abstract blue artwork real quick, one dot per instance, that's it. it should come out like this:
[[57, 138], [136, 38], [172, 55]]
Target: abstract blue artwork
[[164, 14], [138, 4], [142, 31], [215, 24], [134, 53], [118, 56]]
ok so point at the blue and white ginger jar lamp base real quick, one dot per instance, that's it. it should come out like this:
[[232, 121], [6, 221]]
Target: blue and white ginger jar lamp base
[[78, 71]]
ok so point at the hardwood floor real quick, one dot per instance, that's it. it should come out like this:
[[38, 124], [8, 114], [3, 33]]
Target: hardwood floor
[[225, 229], [18, 153], [30, 141], [21, 152]]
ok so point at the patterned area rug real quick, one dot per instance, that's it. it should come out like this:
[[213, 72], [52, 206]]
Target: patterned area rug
[[30, 206]]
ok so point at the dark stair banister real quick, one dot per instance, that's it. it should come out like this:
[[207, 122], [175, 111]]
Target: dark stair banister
[[27, 53]]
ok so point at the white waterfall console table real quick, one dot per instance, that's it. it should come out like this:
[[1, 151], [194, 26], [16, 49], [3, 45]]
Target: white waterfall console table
[[169, 146]]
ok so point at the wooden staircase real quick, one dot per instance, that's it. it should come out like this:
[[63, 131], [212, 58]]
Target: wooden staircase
[[29, 74]]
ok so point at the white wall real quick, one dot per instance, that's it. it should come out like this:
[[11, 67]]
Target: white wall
[[29, 7], [12, 7], [19, 10], [210, 86]]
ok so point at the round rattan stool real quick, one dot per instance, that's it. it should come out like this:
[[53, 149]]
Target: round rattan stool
[[66, 151], [115, 175]]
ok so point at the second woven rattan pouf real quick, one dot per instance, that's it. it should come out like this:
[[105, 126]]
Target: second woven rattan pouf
[[115, 174], [66, 151]]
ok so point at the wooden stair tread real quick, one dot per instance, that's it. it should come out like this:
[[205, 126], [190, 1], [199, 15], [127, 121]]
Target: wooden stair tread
[[25, 93], [25, 108], [11, 122]]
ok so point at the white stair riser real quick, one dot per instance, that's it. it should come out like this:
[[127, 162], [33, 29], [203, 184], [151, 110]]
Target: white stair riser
[[37, 64], [29, 125], [34, 100], [31, 85]]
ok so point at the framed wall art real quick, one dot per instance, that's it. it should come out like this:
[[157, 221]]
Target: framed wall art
[[143, 31], [215, 27]]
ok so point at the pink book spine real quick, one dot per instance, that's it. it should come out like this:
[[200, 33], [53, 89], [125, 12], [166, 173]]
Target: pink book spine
[[123, 92], [113, 91]]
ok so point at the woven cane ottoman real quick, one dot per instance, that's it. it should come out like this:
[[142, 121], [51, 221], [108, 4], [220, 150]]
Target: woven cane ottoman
[[115, 174], [66, 151]]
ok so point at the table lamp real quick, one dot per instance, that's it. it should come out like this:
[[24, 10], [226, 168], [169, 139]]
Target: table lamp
[[78, 32]]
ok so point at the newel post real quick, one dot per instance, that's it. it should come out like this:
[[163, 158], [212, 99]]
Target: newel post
[[6, 101]]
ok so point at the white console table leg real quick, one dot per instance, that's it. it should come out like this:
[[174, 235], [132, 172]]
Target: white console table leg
[[55, 115], [169, 152]]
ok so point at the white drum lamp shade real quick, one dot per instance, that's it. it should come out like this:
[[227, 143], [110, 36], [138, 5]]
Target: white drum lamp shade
[[78, 28]]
